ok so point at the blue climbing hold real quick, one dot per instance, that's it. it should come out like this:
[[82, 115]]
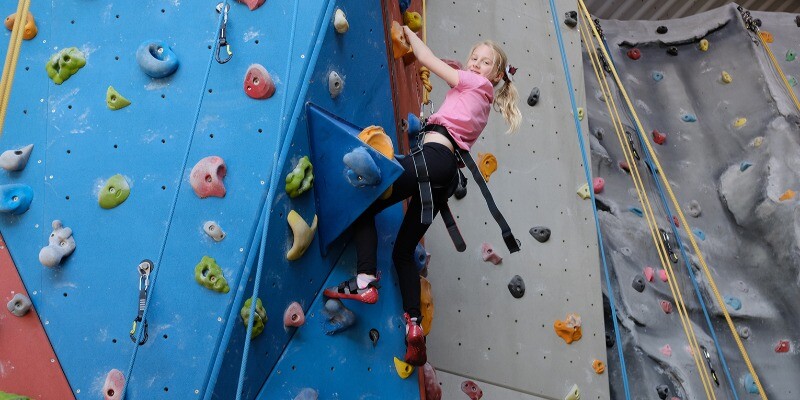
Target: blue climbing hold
[[750, 384], [687, 117], [658, 76], [360, 169], [414, 124], [15, 198], [338, 316], [636, 211], [404, 4], [420, 257], [699, 234], [156, 59], [744, 166], [733, 303]]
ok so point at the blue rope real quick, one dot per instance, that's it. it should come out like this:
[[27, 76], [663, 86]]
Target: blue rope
[[171, 212], [276, 163], [588, 174]]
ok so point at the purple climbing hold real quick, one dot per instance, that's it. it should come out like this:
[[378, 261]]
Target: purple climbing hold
[[517, 287], [540, 233], [338, 316]]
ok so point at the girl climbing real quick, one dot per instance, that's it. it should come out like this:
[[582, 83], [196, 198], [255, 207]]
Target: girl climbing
[[459, 122]]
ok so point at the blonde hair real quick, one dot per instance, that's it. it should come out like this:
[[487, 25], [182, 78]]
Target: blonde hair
[[506, 98]]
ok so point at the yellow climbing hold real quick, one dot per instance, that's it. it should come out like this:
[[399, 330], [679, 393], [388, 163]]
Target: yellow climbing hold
[[726, 77], [766, 36], [758, 141], [599, 366], [703, 45], [487, 163], [375, 137], [574, 393], [580, 113], [583, 191], [787, 195], [426, 303], [303, 235], [569, 329], [340, 21], [413, 20], [403, 368], [740, 122]]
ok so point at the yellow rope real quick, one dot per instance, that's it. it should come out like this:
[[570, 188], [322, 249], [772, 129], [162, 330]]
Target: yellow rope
[[650, 217], [12, 55], [682, 218], [425, 77], [780, 71]]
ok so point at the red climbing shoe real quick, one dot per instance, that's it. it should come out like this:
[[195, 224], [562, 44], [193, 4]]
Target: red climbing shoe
[[349, 290], [415, 343]]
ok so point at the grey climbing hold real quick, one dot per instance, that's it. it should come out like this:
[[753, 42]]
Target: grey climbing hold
[[335, 84], [540, 233], [663, 391], [626, 251], [693, 208], [598, 133], [338, 316], [374, 335], [672, 50], [662, 30], [571, 19], [638, 283], [517, 287], [744, 332], [657, 76], [610, 340], [744, 166], [213, 230], [60, 245], [533, 98], [307, 394], [794, 119], [15, 160], [19, 305]]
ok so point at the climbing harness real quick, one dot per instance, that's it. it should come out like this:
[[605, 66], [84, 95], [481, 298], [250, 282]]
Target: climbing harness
[[223, 8], [144, 283], [12, 55]]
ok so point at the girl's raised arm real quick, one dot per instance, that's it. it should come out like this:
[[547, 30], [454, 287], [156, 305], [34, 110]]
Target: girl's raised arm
[[428, 59]]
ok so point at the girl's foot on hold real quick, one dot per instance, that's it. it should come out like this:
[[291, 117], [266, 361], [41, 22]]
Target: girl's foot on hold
[[415, 342], [350, 290]]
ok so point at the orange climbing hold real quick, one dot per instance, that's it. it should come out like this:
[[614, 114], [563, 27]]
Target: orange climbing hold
[[30, 25], [487, 163], [569, 329], [599, 366], [400, 45], [426, 305], [787, 195], [766, 36], [375, 137]]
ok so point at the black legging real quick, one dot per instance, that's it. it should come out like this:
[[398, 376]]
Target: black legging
[[442, 169]]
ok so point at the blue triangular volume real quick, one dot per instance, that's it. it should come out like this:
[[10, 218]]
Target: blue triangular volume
[[339, 202]]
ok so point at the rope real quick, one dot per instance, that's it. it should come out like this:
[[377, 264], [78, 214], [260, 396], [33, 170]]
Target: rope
[[12, 55], [154, 273], [682, 219], [425, 77], [779, 70], [588, 175]]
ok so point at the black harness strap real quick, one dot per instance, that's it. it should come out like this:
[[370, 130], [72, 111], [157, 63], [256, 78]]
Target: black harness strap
[[425, 191]]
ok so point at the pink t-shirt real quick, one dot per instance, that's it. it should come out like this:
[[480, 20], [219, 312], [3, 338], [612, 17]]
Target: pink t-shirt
[[466, 107]]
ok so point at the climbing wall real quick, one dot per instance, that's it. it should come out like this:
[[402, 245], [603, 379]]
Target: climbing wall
[[731, 154], [508, 346]]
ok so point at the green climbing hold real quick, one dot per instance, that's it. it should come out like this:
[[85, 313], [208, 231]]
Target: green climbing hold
[[64, 64], [11, 396], [300, 179], [114, 192], [258, 320], [790, 55], [209, 274], [114, 100], [792, 81]]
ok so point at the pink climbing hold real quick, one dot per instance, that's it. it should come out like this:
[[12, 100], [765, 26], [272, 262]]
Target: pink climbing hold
[[115, 382], [666, 350], [659, 137], [489, 255], [625, 167], [666, 306], [257, 82], [648, 273], [206, 177], [782, 347], [598, 184], [433, 391], [634, 54], [294, 315], [662, 274], [253, 4], [472, 390]]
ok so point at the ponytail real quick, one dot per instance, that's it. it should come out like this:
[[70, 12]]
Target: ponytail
[[505, 102]]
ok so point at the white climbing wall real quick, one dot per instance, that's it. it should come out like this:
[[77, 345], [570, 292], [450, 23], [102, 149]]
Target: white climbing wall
[[480, 332]]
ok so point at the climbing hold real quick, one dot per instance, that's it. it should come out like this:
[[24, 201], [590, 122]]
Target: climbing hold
[[253, 4], [703, 46], [487, 163], [426, 305], [413, 19], [209, 274], [766, 36], [658, 137], [374, 335], [301, 178], [360, 169], [666, 306], [583, 191], [400, 45], [581, 113], [16, 160], [675, 221], [517, 287], [212, 229], [598, 184], [797, 20], [302, 233], [781, 347], [634, 54], [661, 30], [19, 305], [698, 234], [649, 273], [693, 208], [739, 122], [404, 4], [574, 393], [15, 198], [206, 177], [657, 76], [569, 329], [672, 50], [62, 65], [610, 339], [472, 390], [156, 59], [744, 166], [533, 98], [114, 100], [663, 391], [638, 283], [636, 211], [758, 141], [571, 19], [340, 21], [666, 350], [750, 384], [744, 332], [375, 137], [598, 366], [115, 382], [733, 302], [790, 55], [30, 29], [433, 391], [294, 315], [335, 84], [338, 316], [489, 255], [599, 132], [662, 274], [403, 368], [115, 191], [540, 233], [307, 394], [792, 80], [726, 77], [60, 245], [259, 319], [413, 124], [624, 166], [787, 195], [421, 257], [258, 83], [687, 117]]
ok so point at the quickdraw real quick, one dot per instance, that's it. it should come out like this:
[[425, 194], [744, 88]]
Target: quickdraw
[[223, 41], [665, 238], [145, 267], [633, 148]]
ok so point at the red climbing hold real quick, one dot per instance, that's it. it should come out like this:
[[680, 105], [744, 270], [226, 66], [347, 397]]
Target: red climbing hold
[[294, 315], [675, 221], [433, 391], [659, 137], [598, 184], [634, 54], [625, 167], [206, 177], [472, 390], [666, 306], [257, 83], [253, 4], [782, 347]]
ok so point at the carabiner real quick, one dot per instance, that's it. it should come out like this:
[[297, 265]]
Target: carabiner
[[223, 9]]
